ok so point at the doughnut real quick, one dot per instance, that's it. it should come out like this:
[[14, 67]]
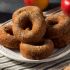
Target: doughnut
[[58, 29], [57, 25], [7, 38], [29, 24], [37, 51]]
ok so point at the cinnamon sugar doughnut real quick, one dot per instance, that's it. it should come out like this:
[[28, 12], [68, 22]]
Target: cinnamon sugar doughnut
[[58, 24], [58, 29], [37, 51], [7, 38], [29, 24]]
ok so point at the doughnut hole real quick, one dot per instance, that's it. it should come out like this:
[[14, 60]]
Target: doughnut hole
[[51, 32], [26, 23], [52, 22], [8, 30]]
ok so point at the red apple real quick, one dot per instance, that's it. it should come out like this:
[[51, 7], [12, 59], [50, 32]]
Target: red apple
[[65, 6], [42, 4], [28, 2]]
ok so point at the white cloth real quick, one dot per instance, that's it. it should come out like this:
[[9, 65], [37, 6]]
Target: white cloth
[[8, 64]]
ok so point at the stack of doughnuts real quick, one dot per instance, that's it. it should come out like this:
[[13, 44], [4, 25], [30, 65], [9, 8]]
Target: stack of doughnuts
[[34, 35], [29, 27]]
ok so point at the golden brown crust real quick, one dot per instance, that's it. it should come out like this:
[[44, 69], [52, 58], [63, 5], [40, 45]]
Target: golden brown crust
[[37, 51], [57, 25], [7, 38], [29, 24], [58, 29]]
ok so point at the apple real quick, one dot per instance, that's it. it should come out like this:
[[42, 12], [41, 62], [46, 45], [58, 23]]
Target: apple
[[65, 6], [28, 2], [42, 4]]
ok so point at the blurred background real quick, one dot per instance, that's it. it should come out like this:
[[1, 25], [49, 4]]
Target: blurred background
[[7, 7]]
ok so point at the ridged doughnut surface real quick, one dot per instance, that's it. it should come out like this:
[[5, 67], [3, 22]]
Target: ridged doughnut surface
[[29, 24], [57, 24]]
